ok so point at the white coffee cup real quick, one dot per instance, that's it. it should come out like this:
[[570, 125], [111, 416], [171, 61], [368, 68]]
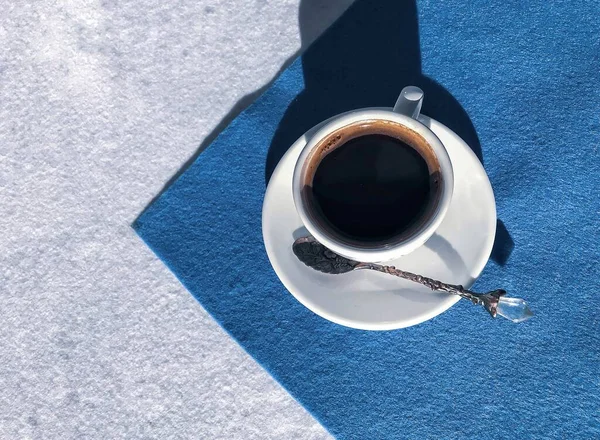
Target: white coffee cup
[[403, 119]]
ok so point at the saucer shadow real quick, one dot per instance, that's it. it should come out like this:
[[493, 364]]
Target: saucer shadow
[[363, 60], [503, 244]]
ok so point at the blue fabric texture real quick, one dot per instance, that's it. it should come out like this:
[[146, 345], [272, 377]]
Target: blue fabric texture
[[520, 82]]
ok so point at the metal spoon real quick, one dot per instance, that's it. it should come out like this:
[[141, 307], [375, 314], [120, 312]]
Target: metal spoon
[[315, 255]]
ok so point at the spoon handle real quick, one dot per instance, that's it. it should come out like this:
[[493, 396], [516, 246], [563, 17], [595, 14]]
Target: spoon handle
[[488, 300]]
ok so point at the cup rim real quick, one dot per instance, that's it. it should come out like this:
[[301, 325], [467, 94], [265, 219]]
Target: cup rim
[[384, 251]]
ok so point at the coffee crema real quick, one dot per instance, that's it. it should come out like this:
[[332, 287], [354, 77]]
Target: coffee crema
[[371, 183]]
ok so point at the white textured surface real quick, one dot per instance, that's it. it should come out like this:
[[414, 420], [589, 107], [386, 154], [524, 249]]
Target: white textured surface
[[101, 102]]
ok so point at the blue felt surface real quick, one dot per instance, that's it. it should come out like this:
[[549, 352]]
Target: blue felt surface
[[527, 74]]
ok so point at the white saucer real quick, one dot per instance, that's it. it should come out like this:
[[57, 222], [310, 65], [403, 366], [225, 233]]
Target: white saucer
[[457, 252]]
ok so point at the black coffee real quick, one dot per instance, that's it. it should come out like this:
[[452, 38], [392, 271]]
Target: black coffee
[[372, 188]]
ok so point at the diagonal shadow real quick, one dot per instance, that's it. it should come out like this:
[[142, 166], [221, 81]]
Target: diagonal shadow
[[321, 13]]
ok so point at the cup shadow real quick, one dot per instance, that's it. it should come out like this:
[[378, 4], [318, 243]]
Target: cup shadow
[[363, 60], [448, 254]]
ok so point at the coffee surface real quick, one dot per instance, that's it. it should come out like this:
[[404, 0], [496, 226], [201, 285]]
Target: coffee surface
[[373, 187]]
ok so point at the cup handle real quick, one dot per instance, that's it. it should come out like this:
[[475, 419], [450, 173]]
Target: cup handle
[[409, 102]]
